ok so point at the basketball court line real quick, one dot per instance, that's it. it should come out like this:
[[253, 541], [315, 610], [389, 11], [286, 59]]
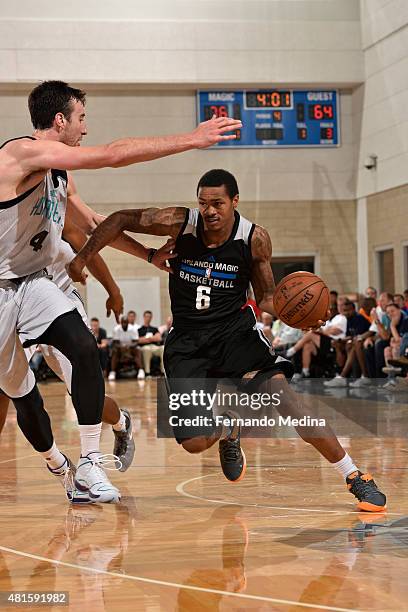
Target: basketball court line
[[181, 491], [176, 585]]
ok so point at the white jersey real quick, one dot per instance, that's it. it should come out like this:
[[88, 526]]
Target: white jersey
[[58, 268], [31, 226]]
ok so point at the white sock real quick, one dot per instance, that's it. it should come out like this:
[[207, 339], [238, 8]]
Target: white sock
[[121, 424], [90, 437], [54, 457], [305, 371], [290, 352], [345, 466]]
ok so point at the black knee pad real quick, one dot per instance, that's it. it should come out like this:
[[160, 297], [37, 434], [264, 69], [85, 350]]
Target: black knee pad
[[33, 420]]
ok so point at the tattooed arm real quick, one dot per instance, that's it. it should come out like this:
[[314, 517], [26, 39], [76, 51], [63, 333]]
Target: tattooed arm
[[154, 221], [262, 279]]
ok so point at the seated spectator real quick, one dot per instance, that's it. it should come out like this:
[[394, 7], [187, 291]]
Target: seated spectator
[[319, 342], [285, 337], [131, 317], [378, 339], [150, 342], [102, 342], [398, 328], [400, 302], [367, 306], [124, 347], [357, 325], [333, 297]]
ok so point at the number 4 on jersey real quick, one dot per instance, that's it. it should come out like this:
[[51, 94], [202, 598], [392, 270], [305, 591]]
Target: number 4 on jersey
[[203, 297], [37, 241]]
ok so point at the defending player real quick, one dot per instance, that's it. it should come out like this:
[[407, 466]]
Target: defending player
[[211, 330], [33, 198]]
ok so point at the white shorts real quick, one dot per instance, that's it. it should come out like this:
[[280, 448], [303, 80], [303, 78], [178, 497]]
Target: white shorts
[[27, 307], [58, 363]]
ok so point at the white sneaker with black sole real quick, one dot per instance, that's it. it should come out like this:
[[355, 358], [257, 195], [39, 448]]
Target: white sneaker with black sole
[[91, 478]]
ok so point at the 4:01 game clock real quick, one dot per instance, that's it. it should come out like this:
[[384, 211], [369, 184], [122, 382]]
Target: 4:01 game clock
[[275, 118]]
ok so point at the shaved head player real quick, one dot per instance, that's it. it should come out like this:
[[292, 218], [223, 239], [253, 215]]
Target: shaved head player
[[212, 331]]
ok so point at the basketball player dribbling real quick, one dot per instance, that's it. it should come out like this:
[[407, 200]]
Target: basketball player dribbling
[[33, 200], [211, 330]]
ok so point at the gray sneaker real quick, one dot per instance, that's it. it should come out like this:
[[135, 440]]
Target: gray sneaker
[[338, 381], [66, 475], [124, 447]]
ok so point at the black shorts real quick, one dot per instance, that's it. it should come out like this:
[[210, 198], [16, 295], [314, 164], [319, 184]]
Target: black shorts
[[229, 350]]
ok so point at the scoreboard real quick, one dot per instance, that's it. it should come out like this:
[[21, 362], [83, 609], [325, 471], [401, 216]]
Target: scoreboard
[[275, 118]]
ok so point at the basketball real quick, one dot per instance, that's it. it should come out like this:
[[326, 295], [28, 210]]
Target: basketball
[[301, 299]]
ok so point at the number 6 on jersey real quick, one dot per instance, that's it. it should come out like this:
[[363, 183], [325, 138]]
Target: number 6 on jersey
[[203, 297]]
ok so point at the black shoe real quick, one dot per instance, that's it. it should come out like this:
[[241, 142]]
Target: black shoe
[[232, 456], [124, 447], [370, 499]]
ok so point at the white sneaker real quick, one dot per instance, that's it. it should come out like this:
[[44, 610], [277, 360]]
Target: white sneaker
[[66, 475], [91, 477], [141, 374], [112, 376], [338, 381], [364, 381]]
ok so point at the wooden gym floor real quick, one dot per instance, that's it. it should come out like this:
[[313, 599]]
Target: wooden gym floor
[[287, 538]]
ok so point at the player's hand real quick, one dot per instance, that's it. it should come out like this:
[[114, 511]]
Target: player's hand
[[215, 130], [114, 303], [166, 252], [75, 270]]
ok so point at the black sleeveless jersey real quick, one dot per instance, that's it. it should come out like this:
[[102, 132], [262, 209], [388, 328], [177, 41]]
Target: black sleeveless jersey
[[209, 285]]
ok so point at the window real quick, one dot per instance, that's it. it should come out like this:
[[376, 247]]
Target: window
[[385, 269], [282, 266]]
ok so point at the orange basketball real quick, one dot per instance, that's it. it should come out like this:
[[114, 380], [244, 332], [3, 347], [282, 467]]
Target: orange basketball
[[301, 299]]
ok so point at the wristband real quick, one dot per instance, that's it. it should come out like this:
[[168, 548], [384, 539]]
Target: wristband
[[151, 254]]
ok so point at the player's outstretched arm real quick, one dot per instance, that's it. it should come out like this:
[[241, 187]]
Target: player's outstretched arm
[[88, 220], [36, 155], [97, 268], [262, 280], [153, 221]]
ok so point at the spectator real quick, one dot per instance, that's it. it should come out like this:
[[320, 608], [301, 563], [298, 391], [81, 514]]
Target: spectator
[[371, 292], [131, 317], [150, 342], [367, 306], [285, 338], [124, 347], [314, 343], [406, 298], [378, 339], [333, 297], [102, 342], [357, 325], [400, 301], [398, 327]]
